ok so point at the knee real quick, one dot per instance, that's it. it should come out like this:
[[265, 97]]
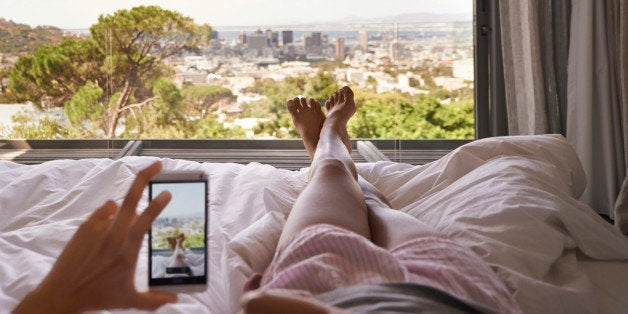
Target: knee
[[333, 167]]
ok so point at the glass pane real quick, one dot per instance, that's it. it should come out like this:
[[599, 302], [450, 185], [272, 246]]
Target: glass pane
[[159, 72]]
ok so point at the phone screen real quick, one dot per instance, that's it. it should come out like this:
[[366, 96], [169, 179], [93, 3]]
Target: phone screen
[[177, 238]]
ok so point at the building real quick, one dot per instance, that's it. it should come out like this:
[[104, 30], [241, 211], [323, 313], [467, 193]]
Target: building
[[395, 50], [242, 38], [464, 69], [257, 42], [340, 48], [363, 38], [273, 38], [312, 43], [286, 37]]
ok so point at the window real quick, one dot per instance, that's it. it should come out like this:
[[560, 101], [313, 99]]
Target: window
[[410, 62]]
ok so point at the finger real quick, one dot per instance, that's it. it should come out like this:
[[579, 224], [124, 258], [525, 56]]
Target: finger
[[87, 241], [143, 222], [106, 211], [129, 205], [152, 300]]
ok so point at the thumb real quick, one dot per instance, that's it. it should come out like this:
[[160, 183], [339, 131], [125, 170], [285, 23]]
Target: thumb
[[151, 300]]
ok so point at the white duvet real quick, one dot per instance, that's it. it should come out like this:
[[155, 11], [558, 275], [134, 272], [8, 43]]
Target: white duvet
[[512, 200]]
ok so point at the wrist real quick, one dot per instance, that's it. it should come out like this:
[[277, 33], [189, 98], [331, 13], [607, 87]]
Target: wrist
[[41, 301]]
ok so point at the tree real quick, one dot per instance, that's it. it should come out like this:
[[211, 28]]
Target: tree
[[136, 42], [27, 126], [277, 93], [56, 72], [321, 86], [203, 98], [85, 110], [391, 115], [124, 57]]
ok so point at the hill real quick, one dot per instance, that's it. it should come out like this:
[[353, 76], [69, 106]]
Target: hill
[[20, 38]]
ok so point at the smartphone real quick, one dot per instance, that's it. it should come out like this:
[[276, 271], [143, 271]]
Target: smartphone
[[177, 259]]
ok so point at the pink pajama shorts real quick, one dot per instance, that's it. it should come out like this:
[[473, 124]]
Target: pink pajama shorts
[[322, 258]]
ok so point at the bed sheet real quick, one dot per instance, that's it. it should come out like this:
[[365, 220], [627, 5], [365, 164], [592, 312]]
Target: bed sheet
[[512, 200]]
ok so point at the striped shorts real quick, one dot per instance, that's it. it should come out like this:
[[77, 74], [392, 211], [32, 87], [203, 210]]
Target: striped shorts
[[323, 257]]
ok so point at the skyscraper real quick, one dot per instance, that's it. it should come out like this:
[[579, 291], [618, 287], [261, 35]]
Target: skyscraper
[[312, 43], [286, 37], [242, 38], [258, 42], [364, 40], [340, 48], [316, 38]]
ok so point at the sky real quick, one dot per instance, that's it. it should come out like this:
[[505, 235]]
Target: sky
[[187, 199], [81, 14]]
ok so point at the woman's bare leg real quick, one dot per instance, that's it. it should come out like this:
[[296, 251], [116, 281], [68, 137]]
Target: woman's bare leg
[[332, 195], [387, 227]]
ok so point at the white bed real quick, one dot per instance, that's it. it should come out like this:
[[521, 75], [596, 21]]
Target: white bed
[[511, 200]]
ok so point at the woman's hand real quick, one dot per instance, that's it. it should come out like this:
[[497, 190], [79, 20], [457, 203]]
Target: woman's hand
[[96, 270]]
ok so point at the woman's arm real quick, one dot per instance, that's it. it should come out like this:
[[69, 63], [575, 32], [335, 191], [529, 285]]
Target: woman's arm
[[96, 270]]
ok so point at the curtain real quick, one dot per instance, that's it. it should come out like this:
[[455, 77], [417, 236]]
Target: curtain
[[596, 102], [617, 13], [565, 66], [535, 37]]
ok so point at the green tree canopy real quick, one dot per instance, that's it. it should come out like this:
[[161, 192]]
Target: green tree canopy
[[124, 57], [203, 98]]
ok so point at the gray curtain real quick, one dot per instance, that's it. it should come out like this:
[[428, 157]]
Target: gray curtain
[[565, 65], [619, 8], [535, 43], [596, 102]]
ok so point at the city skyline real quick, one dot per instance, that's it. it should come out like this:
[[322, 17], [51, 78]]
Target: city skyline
[[231, 13]]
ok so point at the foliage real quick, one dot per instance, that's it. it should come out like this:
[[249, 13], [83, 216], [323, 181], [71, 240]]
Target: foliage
[[329, 66], [85, 109], [124, 57], [26, 127], [173, 116], [321, 86], [20, 38], [54, 73], [385, 115], [391, 115], [203, 98], [160, 239], [277, 93]]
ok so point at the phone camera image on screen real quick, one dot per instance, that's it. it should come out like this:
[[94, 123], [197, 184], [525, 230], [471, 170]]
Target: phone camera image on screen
[[177, 236]]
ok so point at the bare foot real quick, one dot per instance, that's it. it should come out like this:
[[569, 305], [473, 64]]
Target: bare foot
[[340, 108], [172, 242], [308, 119], [180, 239]]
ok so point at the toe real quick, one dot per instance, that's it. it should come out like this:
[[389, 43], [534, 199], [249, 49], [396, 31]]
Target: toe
[[315, 105], [297, 104], [328, 104], [304, 103], [347, 92], [292, 108]]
